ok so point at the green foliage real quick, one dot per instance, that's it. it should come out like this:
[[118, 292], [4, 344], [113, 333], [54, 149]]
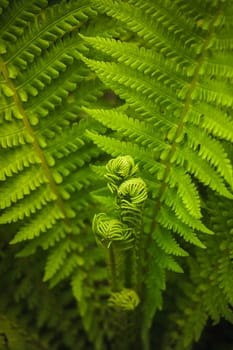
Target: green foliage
[[173, 99], [45, 154], [121, 234], [13, 337], [206, 291], [112, 238]]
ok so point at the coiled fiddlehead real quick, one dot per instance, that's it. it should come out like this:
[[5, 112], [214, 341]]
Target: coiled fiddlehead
[[108, 230], [126, 300], [134, 190], [119, 169], [132, 194]]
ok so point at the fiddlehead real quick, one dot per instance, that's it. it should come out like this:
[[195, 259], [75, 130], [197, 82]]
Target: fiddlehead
[[119, 169], [135, 190], [132, 194], [123, 306], [126, 300], [108, 230]]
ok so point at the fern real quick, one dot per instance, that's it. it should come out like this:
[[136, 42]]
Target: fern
[[45, 154], [14, 337], [207, 292], [113, 250], [165, 78], [38, 309]]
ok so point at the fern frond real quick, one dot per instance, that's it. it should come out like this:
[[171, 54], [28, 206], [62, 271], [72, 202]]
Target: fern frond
[[212, 151], [56, 258], [132, 128], [165, 75], [167, 243], [175, 203], [206, 294], [13, 135], [45, 183], [155, 285], [203, 171], [186, 190], [131, 79], [15, 18], [56, 234], [167, 219], [48, 67], [43, 221], [147, 61], [51, 24], [23, 185], [219, 64], [217, 122], [16, 161], [20, 210], [116, 147], [146, 26]]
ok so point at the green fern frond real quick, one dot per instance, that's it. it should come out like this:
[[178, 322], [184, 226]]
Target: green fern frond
[[207, 293], [25, 208], [144, 60], [43, 221], [45, 182], [216, 121], [167, 219], [116, 147], [203, 171], [167, 243], [16, 16], [35, 142], [212, 151], [53, 23], [57, 257], [12, 135], [132, 128], [186, 190], [165, 76], [119, 74], [13, 335], [16, 189], [219, 65]]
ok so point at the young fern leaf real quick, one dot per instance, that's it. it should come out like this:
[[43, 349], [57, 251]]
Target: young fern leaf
[[121, 237]]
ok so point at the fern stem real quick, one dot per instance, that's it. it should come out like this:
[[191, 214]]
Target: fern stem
[[138, 260], [112, 267], [35, 143]]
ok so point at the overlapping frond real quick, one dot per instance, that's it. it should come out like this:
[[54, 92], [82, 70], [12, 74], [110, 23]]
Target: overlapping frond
[[207, 292], [45, 182], [35, 307], [175, 79]]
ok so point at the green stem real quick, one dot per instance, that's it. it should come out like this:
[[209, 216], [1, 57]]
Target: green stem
[[112, 267], [138, 257]]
